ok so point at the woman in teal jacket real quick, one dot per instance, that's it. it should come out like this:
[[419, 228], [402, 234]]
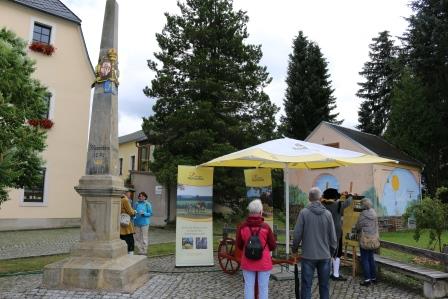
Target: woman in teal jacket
[[143, 211]]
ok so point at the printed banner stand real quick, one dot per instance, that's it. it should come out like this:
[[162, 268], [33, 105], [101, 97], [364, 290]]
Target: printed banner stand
[[194, 220], [259, 185]]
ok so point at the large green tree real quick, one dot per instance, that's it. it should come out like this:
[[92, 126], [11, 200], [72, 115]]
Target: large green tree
[[425, 52], [411, 119], [380, 74], [21, 99], [209, 89], [309, 96]]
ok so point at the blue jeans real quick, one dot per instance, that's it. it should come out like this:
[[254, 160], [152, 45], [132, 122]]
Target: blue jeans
[[249, 284], [323, 274], [368, 264]]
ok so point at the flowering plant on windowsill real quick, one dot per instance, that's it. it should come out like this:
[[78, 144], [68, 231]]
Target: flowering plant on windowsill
[[43, 48], [43, 123]]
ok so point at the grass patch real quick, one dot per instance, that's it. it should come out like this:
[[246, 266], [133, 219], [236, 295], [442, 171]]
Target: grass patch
[[161, 249], [407, 238], [29, 263]]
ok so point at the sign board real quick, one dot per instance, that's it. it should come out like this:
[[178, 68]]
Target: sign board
[[158, 190], [194, 221]]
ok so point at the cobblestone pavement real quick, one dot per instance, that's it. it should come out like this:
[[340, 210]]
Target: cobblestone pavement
[[17, 244], [166, 281]]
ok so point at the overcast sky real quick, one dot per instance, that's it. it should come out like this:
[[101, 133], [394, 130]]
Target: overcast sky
[[342, 29]]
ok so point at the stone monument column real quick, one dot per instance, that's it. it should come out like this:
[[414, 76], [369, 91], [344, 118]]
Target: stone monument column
[[100, 259]]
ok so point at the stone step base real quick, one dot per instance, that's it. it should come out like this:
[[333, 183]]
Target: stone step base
[[123, 274]]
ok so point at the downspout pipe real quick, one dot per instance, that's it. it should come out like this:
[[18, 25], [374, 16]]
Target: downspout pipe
[[168, 205]]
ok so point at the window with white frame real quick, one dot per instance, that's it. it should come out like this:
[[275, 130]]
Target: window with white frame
[[41, 33], [47, 100]]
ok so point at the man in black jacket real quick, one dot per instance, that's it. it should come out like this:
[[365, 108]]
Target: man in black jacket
[[330, 200]]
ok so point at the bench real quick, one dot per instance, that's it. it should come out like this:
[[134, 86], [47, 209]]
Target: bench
[[435, 283]]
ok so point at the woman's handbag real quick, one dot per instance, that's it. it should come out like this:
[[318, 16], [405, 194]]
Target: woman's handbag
[[125, 219], [370, 241]]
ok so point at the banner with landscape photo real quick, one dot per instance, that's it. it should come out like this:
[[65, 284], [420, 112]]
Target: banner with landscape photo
[[194, 221]]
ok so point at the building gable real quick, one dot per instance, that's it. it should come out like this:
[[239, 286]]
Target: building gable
[[369, 143], [326, 135], [53, 7]]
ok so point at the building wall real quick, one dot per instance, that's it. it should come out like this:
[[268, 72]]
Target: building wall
[[125, 151], [157, 195], [391, 187], [68, 76]]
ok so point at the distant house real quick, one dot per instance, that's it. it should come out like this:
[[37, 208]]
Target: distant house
[[129, 148], [68, 74], [392, 187], [135, 153]]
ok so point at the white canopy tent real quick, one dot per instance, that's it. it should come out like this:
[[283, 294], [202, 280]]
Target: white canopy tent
[[287, 153]]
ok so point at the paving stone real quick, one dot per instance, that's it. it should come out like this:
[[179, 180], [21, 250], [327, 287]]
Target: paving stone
[[167, 281]]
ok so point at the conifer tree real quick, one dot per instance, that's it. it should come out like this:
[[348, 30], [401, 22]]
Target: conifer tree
[[309, 96], [380, 74], [209, 89], [425, 52]]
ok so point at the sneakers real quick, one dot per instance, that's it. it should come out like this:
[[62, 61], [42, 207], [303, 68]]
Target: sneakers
[[339, 278], [374, 281], [365, 283]]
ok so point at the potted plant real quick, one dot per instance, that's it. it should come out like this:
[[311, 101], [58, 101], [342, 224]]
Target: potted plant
[[43, 48], [43, 123]]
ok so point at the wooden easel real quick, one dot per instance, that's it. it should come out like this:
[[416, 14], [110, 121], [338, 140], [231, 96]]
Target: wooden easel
[[345, 262]]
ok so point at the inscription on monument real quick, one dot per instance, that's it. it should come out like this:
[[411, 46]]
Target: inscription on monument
[[99, 155]]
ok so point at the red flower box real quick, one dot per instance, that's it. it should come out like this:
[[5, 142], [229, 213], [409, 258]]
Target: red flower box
[[43, 123], [43, 48]]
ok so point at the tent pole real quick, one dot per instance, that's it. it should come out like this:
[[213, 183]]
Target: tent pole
[[286, 174]]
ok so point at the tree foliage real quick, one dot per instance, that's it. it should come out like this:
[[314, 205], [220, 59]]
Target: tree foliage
[[419, 125], [442, 194], [209, 89], [380, 74], [21, 98], [411, 118], [430, 215], [309, 96]]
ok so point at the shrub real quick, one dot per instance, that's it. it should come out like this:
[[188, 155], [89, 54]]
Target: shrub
[[430, 214]]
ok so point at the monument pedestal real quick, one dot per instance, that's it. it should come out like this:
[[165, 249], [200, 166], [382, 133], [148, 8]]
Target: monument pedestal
[[100, 260], [124, 274]]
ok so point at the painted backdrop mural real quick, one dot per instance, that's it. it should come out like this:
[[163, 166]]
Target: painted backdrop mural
[[400, 189], [325, 181]]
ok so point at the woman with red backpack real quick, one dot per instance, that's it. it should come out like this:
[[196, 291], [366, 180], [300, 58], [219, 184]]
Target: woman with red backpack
[[255, 240]]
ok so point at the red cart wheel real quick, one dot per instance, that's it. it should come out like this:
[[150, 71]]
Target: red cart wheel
[[227, 257]]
